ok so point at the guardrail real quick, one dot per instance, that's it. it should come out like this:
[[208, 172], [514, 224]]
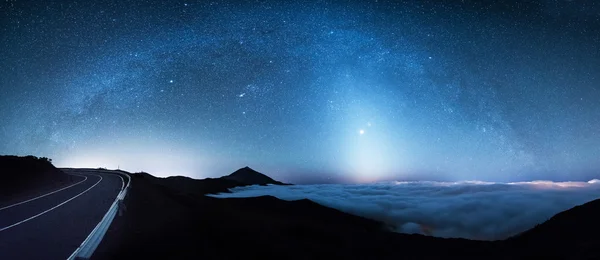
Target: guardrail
[[89, 245]]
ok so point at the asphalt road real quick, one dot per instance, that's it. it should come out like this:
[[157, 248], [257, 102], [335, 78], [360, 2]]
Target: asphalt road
[[53, 226]]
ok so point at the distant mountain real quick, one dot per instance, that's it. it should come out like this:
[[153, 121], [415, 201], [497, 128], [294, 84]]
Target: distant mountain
[[248, 176], [186, 185]]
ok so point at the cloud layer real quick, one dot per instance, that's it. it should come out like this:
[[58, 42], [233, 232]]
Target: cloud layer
[[474, 210]]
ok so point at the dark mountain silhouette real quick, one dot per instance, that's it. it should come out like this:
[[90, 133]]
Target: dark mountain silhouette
[[574, 233], [242, 177], [16, 168], [249, 176], [172, 218], [174, 213], [28, 175]]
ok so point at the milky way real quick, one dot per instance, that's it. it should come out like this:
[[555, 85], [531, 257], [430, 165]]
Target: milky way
[[322, 92]]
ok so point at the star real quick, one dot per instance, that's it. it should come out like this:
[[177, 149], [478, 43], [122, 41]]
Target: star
[[331, 68]]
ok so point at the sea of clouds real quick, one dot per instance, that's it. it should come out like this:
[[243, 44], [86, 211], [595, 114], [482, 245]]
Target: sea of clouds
[[474, 210]]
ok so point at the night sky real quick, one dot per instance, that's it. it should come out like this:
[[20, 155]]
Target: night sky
[[329, 91]]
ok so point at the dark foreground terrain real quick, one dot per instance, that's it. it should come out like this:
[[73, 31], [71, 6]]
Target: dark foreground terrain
[[29, 176], [170, 218]]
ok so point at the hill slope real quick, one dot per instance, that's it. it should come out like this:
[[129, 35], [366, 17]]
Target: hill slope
[[22, 177], [574, 233], [174, 213]]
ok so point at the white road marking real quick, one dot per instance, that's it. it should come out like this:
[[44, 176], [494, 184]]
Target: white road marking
[[46, 211], [39, 197]]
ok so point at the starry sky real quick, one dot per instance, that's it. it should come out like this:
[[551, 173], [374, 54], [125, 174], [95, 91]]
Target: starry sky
[[315, 92]]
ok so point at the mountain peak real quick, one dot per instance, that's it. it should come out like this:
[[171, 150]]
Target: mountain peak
[[249, 176]]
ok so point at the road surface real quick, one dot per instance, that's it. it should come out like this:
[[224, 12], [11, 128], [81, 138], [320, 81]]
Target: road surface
[[54, 225]]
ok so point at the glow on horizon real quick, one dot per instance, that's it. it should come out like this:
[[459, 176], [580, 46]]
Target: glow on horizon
[[153, 160], [540, 184]]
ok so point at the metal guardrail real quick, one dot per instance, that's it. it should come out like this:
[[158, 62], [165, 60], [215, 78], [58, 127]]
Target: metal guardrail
[[89, 245]]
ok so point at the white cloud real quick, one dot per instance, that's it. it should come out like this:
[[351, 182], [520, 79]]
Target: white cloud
[[475, 210]]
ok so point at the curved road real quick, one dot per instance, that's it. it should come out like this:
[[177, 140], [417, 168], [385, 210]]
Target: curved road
[[54, 225]]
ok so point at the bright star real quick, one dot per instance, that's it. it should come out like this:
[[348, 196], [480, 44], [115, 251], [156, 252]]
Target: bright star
[[361, 131]]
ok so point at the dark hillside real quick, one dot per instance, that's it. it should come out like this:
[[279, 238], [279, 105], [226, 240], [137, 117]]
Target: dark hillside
[[574, 233], [171, 218], [163, 221], [26, 176]]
